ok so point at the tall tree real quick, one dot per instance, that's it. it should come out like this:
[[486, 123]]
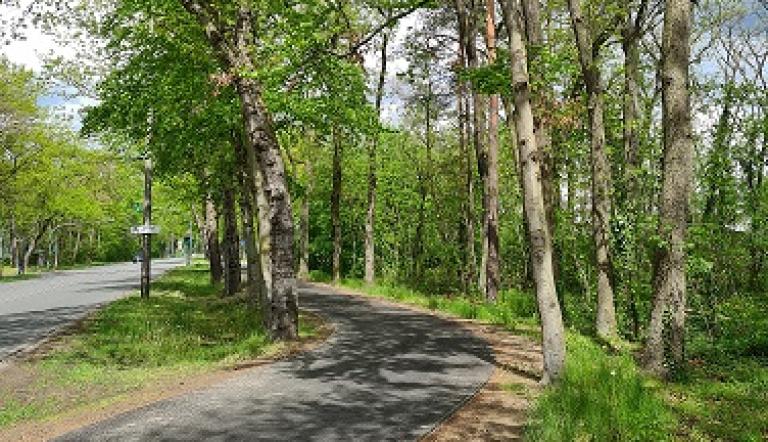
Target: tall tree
[[231, 242], [336, 204], [370, 216], [588, 49], [665, 345], [492, 211], [231, 34], [212, 239], [553, 332]]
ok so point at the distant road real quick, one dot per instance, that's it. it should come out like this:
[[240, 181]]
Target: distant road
[[32, 308]]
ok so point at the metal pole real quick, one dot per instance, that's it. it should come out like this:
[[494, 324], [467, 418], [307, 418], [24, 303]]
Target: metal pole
[[189, 245], [146, 237]]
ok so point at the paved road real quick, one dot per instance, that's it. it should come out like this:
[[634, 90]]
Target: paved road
[[32, 308], [386, 374]]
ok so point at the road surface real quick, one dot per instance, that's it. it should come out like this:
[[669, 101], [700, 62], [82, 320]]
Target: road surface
[[387, 373], [33, 308]]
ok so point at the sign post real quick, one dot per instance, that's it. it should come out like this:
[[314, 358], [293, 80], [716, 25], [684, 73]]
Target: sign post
[[147, 230]]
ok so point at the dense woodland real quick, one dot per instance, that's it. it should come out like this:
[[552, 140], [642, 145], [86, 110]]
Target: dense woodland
[[598, 165]]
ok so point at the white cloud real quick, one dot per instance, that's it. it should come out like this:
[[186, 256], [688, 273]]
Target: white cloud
[[31, 51]]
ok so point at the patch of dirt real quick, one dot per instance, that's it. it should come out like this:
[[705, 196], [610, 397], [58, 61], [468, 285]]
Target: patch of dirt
[[499, 410], [18, 376]]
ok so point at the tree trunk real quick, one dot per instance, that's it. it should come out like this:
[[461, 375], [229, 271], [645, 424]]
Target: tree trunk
[[232, 42], [370, 216], [631, 47], [541, 100], [553, 333], [336, 206], [231, 244], [464, 130], [14, 245], [76, 249], [492, 191], [247, 192], [664, 349], [212, 240], [304, 253], [601, 174], [277, 242], [478, 131]]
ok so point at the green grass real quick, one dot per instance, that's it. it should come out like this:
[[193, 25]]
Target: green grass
[[724, 393], [514, 310], [601, 397], [8, 274], [183, 329]]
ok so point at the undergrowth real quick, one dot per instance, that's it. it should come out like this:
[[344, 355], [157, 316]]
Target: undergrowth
[[601, 397]]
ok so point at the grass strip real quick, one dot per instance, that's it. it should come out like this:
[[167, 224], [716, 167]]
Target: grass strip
[[184, 329]]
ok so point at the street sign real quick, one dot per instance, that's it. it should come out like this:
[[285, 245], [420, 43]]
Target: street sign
[[145, 230]]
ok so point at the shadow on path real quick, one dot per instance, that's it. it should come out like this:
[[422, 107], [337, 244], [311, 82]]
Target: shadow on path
[[386, 374], [18, 330]]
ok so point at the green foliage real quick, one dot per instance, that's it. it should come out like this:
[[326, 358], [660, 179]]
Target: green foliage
[[602, 397]]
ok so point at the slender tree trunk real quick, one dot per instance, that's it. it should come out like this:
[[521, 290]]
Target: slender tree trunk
[[478, 131], [76, 248], [336, 206], [526, 279], [553, 333], [464, 130], [231, 244], [492, 211], [541, 100], [631, 47], [370, 216], [304, 256], [601, 173], [14, 245], [664, 349], [212, 239], [535, 39], [247, 192]]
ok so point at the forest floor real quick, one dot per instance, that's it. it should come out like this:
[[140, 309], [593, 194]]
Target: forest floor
[[132, 353]]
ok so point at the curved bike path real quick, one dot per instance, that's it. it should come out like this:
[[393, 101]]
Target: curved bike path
[[387, 373]]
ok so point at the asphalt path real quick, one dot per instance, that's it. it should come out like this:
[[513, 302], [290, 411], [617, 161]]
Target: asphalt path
[[387, 373], [32, 309]]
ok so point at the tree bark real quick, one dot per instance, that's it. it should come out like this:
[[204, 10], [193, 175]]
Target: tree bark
[[76, 248], [492, 211], [664, 348], [336, 206], [370, 216], [212, 240], [14, 245], [247, 192], [630, 44], [231, 244], [541, 100], [553, 333], [464, 141], [601, 173], [478, 131], [304, 252], [231, 41]]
